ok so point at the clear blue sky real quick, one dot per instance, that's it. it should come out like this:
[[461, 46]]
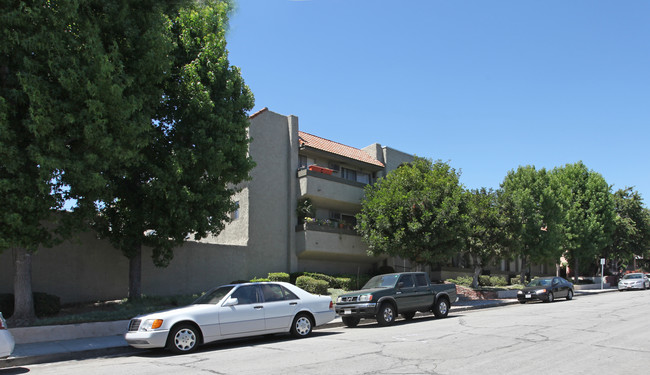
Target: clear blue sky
[[484, 85]]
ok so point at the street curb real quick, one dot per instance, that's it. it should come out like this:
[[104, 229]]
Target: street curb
[[67, 356]]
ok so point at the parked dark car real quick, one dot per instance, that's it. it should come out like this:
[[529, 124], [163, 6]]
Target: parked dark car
[[385, 296], [546, 289]]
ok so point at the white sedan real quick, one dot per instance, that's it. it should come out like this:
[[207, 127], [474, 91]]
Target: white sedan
[[6, 339], [633, 281], [230, 311]]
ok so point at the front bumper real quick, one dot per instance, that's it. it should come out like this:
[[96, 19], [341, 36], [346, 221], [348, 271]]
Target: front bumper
[[630, 286], [145, 340], [532, 297], [360, 310]]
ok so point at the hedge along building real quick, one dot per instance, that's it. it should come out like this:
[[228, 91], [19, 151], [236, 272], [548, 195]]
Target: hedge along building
[[264, 236]]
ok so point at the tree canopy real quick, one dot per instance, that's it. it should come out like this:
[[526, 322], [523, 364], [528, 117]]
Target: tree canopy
[[415, 212], [588, 210], [76, 81], [127, 107], [533, 216], [198, 150], [631, 235], [485, 228]]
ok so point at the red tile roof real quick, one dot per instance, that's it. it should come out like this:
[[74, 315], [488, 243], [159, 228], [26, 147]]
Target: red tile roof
[[323, 144]]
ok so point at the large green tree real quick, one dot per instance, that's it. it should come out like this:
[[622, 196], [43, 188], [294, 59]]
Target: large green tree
[[416, 212], [183, 183], [77, 80], [485, 225], [588, 210], [533, 217], [631, 235]]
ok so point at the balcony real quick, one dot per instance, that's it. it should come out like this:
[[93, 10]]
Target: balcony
[[323, 242], [330, 191]]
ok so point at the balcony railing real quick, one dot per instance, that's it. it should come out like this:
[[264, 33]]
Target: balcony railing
[[327, 226]]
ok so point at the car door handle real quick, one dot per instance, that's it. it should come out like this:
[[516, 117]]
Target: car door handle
[[293, 303], [258, 307]]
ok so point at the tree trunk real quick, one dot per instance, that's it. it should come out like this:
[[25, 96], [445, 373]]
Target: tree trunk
[[135, 274], [575, 271], [477, 273], [524, 266], [23, 298]]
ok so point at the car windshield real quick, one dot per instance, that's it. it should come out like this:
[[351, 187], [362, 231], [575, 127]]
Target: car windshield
[[213, 296], [540, 282], [381, 281], [632, 276]]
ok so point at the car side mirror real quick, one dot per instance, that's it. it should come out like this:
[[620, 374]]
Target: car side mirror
[[400, 285], [556, 283], [231, 302]]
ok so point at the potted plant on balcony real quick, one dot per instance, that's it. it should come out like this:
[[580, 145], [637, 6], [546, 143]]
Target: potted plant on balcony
[[304, 210]]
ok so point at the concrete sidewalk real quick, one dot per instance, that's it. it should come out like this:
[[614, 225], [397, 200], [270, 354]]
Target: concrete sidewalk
[[90, 340]]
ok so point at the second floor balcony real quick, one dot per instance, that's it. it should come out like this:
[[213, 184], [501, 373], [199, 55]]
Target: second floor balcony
[[329, 190], [320, 241]]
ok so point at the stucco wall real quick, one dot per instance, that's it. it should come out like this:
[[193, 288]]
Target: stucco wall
[[272, 192], [92, 270]]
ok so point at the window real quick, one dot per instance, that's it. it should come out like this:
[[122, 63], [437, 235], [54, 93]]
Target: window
[[349, 174], [407, 281], [420, 280], [335, 215], [288, 295], [272, 292], [246, 295], [302, 161], [364, 178]]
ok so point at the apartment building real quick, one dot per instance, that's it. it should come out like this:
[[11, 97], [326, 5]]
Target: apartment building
[[293, 167]]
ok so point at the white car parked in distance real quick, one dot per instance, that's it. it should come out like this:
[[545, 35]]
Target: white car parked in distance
[[7, 342], [230, 311], [635, 280]]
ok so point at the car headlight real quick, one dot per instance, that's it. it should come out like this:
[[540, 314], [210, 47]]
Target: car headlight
[[339, 300], [151, 324], [365, 298], [540, 291], [520, 292]]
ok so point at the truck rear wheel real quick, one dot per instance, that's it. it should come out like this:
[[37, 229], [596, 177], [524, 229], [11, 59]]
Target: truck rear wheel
[[351, 321], [386, 314], [441, 307]]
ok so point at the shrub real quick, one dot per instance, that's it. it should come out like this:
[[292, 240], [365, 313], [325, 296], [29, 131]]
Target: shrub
[[342, 282], [462, 280], [259, 280], [498, 281], [46, 304], [330, 280], [279, 276], [312, 285], [484, 280]]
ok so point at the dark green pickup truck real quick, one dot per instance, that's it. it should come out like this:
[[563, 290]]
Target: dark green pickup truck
[[385, 296]]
